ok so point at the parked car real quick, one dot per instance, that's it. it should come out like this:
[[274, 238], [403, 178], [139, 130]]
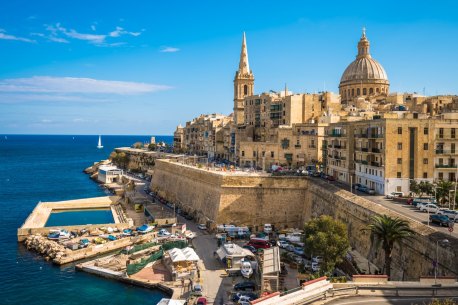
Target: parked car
[[362, 188], [331, 178], [290, 248], [452, 214], [259, 243], [441, 220], [370, 191], [245, 296], [316, 174], [356, 186], [282, 244], [394, 195], [430, 207], [197, 290], [188, 217], [202, 226], [299, 251], [202, 301], [317, 259], [245, 286], [299, 260], [315, 267], [251, 248]]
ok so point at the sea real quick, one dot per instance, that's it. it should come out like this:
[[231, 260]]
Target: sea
[[37, 168]]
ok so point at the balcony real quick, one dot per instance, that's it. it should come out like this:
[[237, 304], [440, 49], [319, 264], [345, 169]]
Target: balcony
[[376, 135], [335, 135], [446, 166], [365, 149], [361, 135], [364, 162], [297, 146], [376, 164], [312, 146], [445, 152], [376, 150]]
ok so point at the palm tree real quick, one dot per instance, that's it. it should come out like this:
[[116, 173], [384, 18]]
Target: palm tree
[[386, 232]]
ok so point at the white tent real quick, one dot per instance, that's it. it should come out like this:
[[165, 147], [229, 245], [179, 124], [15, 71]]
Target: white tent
[[180, 255]]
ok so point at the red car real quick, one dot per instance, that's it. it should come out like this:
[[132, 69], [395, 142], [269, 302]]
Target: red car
[[202, 301], [331, 178]]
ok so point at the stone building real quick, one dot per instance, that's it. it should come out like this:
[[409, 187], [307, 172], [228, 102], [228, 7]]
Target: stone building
[[178, 139], [364, 77]]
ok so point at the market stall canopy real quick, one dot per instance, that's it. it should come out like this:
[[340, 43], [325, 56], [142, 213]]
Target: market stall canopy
[[181, 255]]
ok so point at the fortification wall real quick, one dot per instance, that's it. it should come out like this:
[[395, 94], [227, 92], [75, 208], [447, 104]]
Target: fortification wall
[[289, 202]]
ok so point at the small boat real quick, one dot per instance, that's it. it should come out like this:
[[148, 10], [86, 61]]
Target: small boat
[[145, 229], [58, 234], [84, 243], [127, 232], [99, 240], [99, 145], [246, 269], [112, 237]]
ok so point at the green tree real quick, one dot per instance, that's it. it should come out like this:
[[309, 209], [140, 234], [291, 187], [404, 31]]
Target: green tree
[[426, 187], [152, 147], [386, 232], [414, 187], [138, 145], [443, 191], [326, 237]]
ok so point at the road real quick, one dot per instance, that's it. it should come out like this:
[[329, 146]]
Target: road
[[382, 300], [404, 209]]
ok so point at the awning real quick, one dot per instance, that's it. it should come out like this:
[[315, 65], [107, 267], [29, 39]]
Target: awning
[[181, 255]]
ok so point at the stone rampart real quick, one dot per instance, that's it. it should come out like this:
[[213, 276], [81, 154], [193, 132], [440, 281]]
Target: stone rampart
[[217, 198]]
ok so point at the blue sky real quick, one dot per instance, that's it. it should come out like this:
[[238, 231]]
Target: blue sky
[[142, 67]]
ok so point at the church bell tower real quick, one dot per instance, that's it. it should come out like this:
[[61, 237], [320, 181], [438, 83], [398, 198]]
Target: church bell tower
[[243, 84]]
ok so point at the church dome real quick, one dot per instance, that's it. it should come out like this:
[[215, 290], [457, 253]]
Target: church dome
[[364, 76], [363, 69]]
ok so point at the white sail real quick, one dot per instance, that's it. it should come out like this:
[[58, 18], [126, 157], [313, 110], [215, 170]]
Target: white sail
[[100, 143]]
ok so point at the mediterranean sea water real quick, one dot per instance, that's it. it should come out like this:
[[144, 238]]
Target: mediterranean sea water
[[79, 217], [37, 168]]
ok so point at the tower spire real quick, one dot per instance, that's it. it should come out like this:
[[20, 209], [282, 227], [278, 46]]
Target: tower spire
[[244, 66]]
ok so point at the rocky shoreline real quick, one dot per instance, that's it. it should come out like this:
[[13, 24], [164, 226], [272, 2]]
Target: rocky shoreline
[[49, 249]]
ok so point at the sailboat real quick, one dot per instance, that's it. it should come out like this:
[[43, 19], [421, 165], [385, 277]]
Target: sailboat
[[99, 146]]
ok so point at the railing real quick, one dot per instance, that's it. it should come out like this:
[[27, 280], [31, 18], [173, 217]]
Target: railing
[[377, 164], [445, 152], [376, 150], [364, 149], [335, 135], [312, 146], [446, 166], [297, 146], [376, 135], [361, 135], [364, 162], [445, 137]]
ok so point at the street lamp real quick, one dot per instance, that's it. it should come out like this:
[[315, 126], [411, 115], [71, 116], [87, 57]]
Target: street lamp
[[436, 263]]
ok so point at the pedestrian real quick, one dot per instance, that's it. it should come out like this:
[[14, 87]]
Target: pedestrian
[[198, 273]]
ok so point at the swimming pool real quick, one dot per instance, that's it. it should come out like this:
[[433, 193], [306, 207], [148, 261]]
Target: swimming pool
[[79, 217]]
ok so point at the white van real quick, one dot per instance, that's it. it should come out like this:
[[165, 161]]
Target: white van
[[267, 228]]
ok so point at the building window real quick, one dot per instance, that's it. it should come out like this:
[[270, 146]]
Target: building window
[[399, 160], [441, 176], [263, 153], [353, 92], [399, 174], [399, 130], [245, 89], [371, 91], [452, 133], [441, 133], [426, 130], [254, 154], [425, 175], [399, 146], [243, 153], [358, 92], [364, 91], [452, 148], [272, 154], [425, 146]]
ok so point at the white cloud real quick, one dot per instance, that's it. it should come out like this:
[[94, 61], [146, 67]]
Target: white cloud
[[48, 84], [13, 98], [169, 50], [46, 121], [120, 31], [59, 33], [5, 36]]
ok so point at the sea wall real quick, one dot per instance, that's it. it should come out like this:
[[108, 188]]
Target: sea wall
[[252, 201]]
